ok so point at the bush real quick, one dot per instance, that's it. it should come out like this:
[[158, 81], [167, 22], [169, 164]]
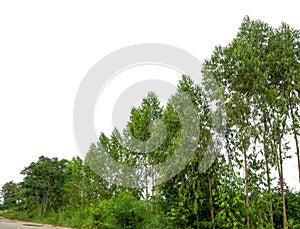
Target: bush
[[156, 220], [123, 211]]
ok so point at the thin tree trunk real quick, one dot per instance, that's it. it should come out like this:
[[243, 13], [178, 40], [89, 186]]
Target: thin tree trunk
[[153, 188], [268, 174], [212, 215], [154, 204], [147, 204], [280, 171], [296, 142], [147, 192], [246, 173], [45, 203], [39, 206], [269, 191], [247, 188], [297, 152]]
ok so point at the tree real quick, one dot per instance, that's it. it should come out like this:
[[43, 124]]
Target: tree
[[82, 186], [189, 199], [143, 141], [11, 194], [43, 183], [259, 73], [254, 83]]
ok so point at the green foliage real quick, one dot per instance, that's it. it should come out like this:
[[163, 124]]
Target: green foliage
[[82, 186], [257, 77], [122, 211], [179, 214], [258, 73], [11, 195], [43, 183], [157, 220]]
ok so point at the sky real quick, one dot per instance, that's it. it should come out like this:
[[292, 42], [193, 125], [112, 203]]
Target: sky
[[47, 48]]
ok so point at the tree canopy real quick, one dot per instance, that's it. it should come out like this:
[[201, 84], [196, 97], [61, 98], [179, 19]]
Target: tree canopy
[[243, 186]]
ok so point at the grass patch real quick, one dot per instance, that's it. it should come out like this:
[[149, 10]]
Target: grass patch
[[65, 218]]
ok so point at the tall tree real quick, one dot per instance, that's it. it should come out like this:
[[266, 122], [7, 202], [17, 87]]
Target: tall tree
[[43, 183], [259, 74]]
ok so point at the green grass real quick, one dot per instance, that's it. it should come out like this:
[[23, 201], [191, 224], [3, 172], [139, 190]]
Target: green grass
[[65, 218]]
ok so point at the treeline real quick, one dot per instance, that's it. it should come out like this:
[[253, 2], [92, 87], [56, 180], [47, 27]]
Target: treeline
[[62, 192], [258, 78]]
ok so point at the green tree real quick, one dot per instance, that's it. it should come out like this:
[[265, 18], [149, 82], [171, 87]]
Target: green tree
[[259, 74], [189, 199], [43, 184], [11, 195], [83, 187], [122, 211]]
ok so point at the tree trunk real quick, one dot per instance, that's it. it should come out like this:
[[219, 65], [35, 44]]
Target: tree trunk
[[280, 171], [296, 142], [269, 191], [147, 202], [246, 172], [297, 152], [154, 204], [212, 216], [268, 174], [247, 188]]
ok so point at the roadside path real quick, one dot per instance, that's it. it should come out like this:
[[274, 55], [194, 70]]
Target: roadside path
[[16, 224]]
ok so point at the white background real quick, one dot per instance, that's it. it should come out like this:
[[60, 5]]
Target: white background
[[47, 47]]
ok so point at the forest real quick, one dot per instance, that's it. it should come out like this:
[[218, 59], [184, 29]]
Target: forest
[[258, 77]]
